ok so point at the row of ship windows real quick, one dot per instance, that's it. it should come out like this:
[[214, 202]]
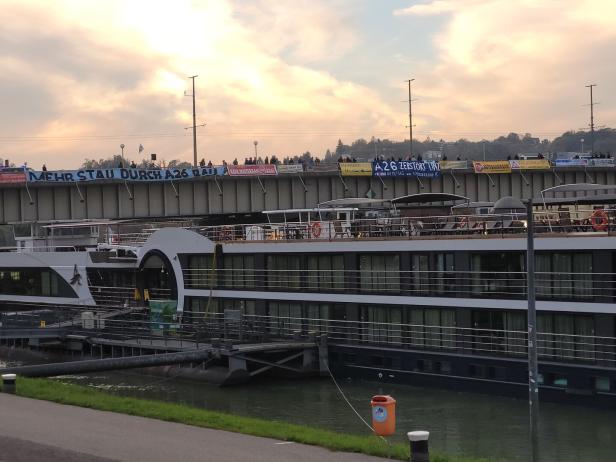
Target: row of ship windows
[[37, 282], [482, 371], [559, 275], [560, 336]]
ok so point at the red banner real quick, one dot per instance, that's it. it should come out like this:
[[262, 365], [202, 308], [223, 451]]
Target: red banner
[[252, 170], [12, 177]]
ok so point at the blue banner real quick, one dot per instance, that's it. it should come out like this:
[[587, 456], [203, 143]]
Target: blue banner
[[571, 162], [424, 169], [125, 174]]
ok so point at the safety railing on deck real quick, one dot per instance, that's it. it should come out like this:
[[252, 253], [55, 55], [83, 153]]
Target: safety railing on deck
[[188, 329], [445, 226], [557, 285]]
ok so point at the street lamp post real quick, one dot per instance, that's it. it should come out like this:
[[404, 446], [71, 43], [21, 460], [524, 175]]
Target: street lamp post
[[255, 143], [122, 148], [582, 141], [533, 373]]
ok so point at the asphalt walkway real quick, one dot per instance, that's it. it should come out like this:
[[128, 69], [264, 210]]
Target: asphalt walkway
[[41, 431]]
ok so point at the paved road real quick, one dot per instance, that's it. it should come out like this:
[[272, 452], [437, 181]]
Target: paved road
[[40, 431]]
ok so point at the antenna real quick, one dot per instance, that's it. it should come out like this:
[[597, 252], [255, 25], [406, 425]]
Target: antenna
[[410, 101], [194, 121], [592, 119]]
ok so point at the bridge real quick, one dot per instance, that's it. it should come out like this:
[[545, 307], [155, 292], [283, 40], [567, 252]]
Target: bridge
[[115, 199]]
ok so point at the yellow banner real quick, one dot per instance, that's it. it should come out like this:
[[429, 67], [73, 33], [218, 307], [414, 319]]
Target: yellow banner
[[530, 164], [492, 166], [452, 164], [356, 168]]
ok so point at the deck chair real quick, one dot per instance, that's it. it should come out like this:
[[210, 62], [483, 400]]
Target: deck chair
[[339, 230]]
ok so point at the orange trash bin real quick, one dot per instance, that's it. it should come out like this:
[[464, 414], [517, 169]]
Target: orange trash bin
[[383, 415]]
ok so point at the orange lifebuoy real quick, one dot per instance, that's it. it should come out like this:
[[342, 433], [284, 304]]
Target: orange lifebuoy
[[599, 220], [315, 229]]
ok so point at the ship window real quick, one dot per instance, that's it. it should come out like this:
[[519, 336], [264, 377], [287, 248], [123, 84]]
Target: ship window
[[431, 327], [499, 274], [325, 272], [202, 308], [199, 272], [557, 380], [601, 383], [433, 274], [565, 336], [238, 271], [36, 282], [318, 315], [421, 276], [379, 273], [381, 324], [284, 318], [564, 275], [283, 272]]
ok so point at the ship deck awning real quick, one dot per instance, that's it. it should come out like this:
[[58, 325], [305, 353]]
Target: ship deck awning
[[351, 201], [426, 198], [80, 224], [579, 193]]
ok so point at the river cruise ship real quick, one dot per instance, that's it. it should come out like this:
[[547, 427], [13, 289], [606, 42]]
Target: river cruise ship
[[428, 289]]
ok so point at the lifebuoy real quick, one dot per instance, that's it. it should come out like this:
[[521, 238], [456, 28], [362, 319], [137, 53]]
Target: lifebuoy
[[599, 220], [315, 229]]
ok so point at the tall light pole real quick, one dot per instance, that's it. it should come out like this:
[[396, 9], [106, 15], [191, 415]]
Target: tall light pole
[[410, 120], [255, 143], [122, 148], [592, 119], [194, 121], [582, 141], [533, 371]]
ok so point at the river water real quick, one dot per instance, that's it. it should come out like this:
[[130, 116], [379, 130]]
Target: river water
[[459, 423]]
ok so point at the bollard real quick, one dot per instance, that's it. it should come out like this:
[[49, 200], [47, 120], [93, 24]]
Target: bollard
[[419, 446], [8, 383]]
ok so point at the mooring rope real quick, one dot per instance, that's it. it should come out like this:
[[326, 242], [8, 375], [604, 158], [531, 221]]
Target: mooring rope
[[348, 402]]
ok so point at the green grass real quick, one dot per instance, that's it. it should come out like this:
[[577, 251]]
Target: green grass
[[51, 390]]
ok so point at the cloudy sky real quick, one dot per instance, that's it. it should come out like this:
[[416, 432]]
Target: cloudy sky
[[81, 77]]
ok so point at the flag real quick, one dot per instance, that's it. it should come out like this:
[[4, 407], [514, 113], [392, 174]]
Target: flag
[[140, 148]]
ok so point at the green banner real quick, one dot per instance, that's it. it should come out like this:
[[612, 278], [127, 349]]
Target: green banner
[[163, 316]]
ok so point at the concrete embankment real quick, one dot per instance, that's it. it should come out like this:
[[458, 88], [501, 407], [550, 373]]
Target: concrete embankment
[[33, 430]]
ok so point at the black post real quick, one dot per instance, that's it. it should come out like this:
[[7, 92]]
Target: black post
[[8, 383], [533, 373], [419, 446]]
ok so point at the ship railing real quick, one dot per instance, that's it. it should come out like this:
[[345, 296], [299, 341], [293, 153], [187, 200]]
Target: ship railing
[[550, 222], [43, 248], [136, 233], [122, 323], [558, 285], [595, 221]]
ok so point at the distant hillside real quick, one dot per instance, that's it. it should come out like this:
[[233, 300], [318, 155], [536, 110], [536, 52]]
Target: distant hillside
[[499, 148]]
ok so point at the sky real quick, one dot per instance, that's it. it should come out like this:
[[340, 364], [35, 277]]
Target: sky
[[81, 77]]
